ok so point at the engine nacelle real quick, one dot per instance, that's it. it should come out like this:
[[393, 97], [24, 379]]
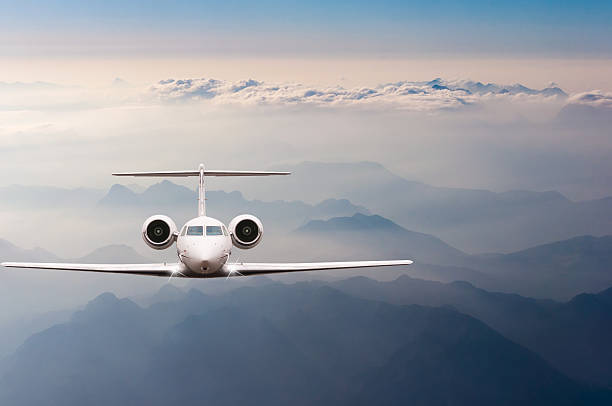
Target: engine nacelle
[[159, 232], [246, 231]]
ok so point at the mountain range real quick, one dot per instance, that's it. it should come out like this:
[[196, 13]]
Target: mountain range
[[573, 336], [556, 270], [474, 221], [319, 345], [180, 201]]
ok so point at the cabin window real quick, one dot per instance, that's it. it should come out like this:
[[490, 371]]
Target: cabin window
[[213, 230], [195, 230]]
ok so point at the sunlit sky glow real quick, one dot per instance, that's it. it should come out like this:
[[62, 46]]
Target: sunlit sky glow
[[321, 54]]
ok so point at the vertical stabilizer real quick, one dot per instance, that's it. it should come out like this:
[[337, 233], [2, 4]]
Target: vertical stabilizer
[[202, 194]]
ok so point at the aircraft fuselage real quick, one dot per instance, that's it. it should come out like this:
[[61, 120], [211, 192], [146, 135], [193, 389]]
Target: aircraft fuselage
[[204, 245]]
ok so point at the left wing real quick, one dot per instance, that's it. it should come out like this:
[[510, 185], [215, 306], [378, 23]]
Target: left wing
[[130, 269], [263, 268]]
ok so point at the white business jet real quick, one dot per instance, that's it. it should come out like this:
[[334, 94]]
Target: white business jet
[[203, 244]]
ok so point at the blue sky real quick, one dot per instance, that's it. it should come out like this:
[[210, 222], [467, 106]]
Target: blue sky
[[403, 28]]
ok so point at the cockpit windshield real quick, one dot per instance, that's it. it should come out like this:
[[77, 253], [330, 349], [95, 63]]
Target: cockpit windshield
[[195, 230], [213, 230]]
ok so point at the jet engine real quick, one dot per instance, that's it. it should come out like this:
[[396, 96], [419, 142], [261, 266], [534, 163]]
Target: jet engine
[[246, 231], [159, 232]]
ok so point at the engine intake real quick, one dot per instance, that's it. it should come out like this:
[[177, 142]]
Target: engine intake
[[159, 232], [246, 231]]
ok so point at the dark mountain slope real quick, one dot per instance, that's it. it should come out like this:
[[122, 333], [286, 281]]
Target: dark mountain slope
[[466, 363], [299, 344], [573, 336]]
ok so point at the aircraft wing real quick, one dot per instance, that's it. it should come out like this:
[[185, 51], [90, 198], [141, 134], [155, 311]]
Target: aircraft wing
[[267, 268], [130, 269], [177, 269]]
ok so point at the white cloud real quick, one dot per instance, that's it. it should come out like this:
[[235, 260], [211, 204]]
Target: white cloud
[[434, 95], [430, 96], [594, 98]]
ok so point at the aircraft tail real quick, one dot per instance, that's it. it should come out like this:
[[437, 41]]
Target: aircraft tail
[[202, 173]]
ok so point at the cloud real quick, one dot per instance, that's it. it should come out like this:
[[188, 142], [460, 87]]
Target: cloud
[[426, 96], [594, 98], [437, 94]]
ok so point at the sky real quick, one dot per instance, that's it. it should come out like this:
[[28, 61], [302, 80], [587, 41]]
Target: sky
[[86, 86], [273, 27], [354, 42]]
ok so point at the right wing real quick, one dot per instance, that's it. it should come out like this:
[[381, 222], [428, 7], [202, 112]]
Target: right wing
[[266, 268], [122, 269]]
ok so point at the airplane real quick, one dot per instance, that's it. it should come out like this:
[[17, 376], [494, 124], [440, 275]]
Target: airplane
[[203, 244]]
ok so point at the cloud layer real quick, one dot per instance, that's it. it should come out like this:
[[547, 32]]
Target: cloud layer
[[417, 96], [595, 98]]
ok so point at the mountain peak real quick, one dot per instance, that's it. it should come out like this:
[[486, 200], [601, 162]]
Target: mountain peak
[[114, 253], [118, 188], [358, 221], [106, 306], [168, 293], [4, 244], [118, 195], [103, 299]]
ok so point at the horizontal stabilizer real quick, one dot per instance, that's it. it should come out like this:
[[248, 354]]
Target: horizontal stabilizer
[[207, 172], [202, 173]]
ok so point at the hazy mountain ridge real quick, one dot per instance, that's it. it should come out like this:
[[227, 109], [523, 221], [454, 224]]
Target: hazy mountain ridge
[[115, 253], [557, 270], [473, 220], [560, 269], [384, 237], [180, 201], [574, 336], [128, 350], [9, 251], [16, 332]]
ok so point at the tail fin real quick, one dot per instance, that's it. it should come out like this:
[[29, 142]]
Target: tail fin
[[202, 173]]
